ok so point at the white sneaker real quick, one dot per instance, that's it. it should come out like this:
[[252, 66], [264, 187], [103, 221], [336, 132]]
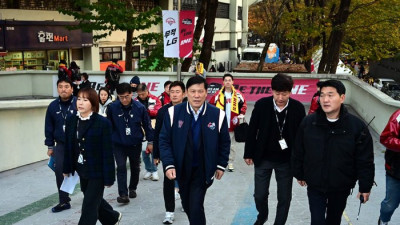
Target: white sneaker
[[177, 195], [230, 167], [147, 175], [119, 218], [154, 176], [169, 218]]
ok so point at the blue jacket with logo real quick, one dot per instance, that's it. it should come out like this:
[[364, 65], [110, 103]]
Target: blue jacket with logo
[[56, 115], [136, 118], [174, 133]]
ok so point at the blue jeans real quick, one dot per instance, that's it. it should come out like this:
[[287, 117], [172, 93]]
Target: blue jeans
[[392, 199], [149, 162]]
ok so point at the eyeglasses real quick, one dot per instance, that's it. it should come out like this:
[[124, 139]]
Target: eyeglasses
[[124, 97]]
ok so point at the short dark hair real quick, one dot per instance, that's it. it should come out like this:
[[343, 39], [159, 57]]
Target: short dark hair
[[282, 82], [196, 80], [177, 83], [168, 82], [124, 88], [85, 75], [319, 83], [64, 80], [142, 87], [92, 96], [227, 75], [338, 85], [114, 60], [106, 90]]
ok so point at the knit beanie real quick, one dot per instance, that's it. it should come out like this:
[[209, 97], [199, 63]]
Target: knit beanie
[[135, 80]]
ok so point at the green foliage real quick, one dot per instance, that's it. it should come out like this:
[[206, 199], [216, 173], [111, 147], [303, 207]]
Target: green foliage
[[107, 16], [155, 61]]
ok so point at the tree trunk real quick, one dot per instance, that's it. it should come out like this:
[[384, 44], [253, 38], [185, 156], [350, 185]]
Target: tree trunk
[[197, 33], [128, 50], [330, 53], [205, 55], [263, 55]]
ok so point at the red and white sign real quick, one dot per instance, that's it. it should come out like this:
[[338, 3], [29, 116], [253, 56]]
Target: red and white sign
[[178, 28], [254, 89], [186, 29]]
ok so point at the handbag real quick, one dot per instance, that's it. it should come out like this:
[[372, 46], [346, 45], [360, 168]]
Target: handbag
[[240, 131]]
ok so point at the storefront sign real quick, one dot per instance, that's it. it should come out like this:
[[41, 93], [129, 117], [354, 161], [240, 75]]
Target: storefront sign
[[254, 89], [20, 35], [1, 37], [155, 84]]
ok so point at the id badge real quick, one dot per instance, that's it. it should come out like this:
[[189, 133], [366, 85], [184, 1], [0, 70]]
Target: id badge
[[128, 131], [283, 144], [80, 159], [64, 128]]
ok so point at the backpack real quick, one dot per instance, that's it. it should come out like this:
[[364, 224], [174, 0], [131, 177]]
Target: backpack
[[75, 74], [112, 74]]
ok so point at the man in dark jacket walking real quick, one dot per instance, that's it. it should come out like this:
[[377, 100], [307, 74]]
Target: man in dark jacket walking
[[333, 150], [194, 147], [128, 117], [112, 75], [272, 130]]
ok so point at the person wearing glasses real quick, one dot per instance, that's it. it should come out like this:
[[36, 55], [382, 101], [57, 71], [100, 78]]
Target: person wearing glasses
[[128, 117]]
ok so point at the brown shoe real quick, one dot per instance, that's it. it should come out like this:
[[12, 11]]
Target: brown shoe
[[132, 194], [123, 199]]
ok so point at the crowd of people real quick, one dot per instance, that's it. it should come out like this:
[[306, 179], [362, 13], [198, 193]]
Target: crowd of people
[[328, 151]]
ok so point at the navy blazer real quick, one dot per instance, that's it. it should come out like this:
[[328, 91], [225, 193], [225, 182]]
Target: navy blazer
[[216, 140], [96, 148]]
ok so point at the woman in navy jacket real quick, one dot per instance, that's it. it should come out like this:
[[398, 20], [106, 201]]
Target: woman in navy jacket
[[88, 151]]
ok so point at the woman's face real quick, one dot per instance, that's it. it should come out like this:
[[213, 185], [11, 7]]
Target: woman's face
[[103, 96], [84, 106]]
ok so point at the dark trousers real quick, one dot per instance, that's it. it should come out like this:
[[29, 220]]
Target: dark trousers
[[94, 207], [284, 180], [169, 194], [58, 154], [121, 154], [326, 207], [193, 192], [112, 85]]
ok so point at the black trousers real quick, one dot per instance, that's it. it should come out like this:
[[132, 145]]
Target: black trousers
[[58, 154], [121, 154], [94, 207], [284, 180], [169, 193], [193, 192], [327, 207]]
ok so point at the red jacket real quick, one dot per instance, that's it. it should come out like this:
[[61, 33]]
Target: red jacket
[[62, 67], [152, 104], [164, 98], [314, 103], [112, 69], [234, 121], [391, 140]]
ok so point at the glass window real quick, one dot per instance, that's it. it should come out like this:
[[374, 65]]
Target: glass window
[[109, 53]]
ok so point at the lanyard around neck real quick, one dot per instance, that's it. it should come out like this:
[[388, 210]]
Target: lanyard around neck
[[277, 121]]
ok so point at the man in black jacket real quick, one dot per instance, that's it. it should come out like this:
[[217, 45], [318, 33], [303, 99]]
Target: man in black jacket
[[333, 150], [272, 130]]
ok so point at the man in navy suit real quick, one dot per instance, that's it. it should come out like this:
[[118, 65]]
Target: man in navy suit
[[194, 147]]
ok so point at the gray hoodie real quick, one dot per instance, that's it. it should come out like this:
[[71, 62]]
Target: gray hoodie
[[103, 108]]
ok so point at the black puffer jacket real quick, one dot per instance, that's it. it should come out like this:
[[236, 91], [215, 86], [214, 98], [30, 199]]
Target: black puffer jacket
[[333, 156]]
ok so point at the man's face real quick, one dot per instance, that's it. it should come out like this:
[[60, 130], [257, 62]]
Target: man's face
[[281, 97], [196, 95], [64, 89], [133, 85], [228, 82], [176, 95], [125, 98], [143, 94], [330, 100], [166, 89]]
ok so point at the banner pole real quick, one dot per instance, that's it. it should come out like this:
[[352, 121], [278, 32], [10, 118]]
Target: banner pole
[[179, 65]]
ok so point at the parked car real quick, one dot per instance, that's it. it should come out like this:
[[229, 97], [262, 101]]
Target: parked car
[[392, 89], [380, 82]]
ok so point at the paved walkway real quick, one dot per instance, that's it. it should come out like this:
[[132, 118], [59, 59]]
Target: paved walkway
[[28, 193]]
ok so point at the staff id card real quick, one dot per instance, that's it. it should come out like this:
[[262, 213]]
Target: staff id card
[[128, 131], [283, 144]]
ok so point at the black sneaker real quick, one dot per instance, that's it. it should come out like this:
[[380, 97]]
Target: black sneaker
[[132, 194], [60, 207], [119, 218], [123, 199]]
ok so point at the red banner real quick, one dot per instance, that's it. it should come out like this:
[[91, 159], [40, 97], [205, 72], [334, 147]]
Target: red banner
[[186, 29], [254, 89]]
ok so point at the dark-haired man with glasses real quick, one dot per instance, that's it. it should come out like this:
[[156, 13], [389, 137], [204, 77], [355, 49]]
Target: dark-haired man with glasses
[[128, 117]]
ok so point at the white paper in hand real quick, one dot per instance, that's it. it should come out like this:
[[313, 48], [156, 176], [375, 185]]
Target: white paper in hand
[[69, 183]]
